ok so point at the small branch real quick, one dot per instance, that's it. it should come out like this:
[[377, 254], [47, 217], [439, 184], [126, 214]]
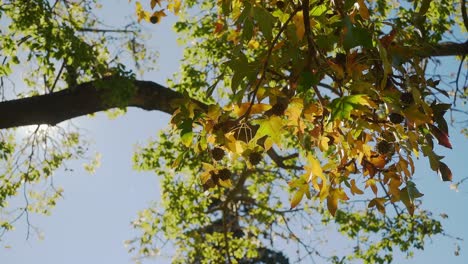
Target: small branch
[[308, 33], [464, 14], [440, 49], [279, 160], [457, 89], [101, 30]]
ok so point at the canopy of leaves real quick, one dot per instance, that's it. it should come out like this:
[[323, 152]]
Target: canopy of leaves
[[293, 110]]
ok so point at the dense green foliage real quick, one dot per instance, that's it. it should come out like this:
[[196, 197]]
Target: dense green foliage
[[307, 114]]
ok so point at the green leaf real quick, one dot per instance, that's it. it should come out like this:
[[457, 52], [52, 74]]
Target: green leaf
[[186, 133], [356, 36], [341, 107], [265, 21], [306, 81], [247, 33], [271, 127], [318, 10], [413, 192]]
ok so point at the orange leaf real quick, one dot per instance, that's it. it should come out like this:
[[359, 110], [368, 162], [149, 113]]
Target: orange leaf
[[218, 27], [363, 11], [378, 161]]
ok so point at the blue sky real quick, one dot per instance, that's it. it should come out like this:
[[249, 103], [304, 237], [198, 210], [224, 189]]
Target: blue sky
[[93, 220]]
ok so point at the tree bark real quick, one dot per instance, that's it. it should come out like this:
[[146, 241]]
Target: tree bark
[[443, 49], [84, 99]]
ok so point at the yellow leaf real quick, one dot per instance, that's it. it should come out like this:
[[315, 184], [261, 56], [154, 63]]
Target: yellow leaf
[[268, 144], [294, 110], [313, 173], [253, 44], [402, 166], [394, 188], [225, 183], [298, 21], [271, 127], [372, 184], [297, 197], [234, 145], [174, 6], [255, 109], [354, 188], [333, 198], [314, 168], [323, 144], [141, 14]]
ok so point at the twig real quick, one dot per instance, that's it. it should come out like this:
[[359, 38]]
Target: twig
[[464, 14], [101, 30], [279, 160], [456, 81]]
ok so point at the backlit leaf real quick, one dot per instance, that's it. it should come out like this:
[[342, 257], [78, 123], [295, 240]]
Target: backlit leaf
[[444, 172], [271, 127], [341, 107], [441, 136], [333, 198]]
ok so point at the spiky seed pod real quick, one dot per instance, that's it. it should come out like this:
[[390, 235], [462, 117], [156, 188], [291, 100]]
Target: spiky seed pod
[[407, 98], [217, 153], [255, 158], [278, 109], [396, 118], [154, 19], [383, 147], [280, 4], [224, 174], [214, 177]]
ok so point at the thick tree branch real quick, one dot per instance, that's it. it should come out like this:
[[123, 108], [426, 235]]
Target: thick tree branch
[[443, 49], [84, 99]]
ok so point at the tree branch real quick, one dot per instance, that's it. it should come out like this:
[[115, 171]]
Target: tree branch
[[443, 49], [84, 99]]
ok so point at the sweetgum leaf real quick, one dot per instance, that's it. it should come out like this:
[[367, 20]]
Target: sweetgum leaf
[[441, 136], [444, 172]]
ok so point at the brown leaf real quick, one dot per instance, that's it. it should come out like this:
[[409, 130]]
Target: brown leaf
[[444, 172]]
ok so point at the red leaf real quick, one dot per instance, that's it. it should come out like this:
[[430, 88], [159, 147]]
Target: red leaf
[[441, 136]]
